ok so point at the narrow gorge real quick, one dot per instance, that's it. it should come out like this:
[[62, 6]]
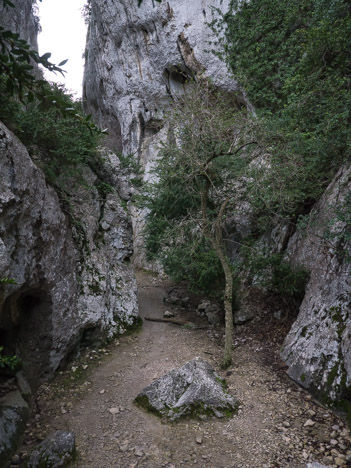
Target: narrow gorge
[[72, 240]]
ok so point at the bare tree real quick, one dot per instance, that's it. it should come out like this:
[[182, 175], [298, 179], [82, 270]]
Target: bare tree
[[198, 174]]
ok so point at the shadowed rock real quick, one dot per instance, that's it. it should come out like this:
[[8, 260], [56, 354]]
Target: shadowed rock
[[14, 413], [193, 390], [55, 451]]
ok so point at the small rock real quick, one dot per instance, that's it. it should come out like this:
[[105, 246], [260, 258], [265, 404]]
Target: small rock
[[168, 314], [113, 411], [138, 452], [102, 391], [333, 442], [309, 423], [286, 424], [339, 461], [199, 440], [316, 465]]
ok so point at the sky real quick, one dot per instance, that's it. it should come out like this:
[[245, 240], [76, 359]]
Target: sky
[[63, 34]]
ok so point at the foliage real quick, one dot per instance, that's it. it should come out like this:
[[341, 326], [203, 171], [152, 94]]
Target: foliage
[[61, 143], [292, 59], [207, 143], [19, 75], [278, 276], [7, 281], [9, 362], [200, 164], [16, 64]]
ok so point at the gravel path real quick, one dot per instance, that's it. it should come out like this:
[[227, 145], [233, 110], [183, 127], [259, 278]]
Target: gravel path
[[278, 425]]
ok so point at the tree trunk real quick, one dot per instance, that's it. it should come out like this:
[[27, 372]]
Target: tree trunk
[[228, 308]]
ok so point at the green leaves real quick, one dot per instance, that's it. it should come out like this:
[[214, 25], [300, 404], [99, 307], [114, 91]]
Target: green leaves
[[205, 155], [16, 64], [55, 131], [293, 60], [11, 363]]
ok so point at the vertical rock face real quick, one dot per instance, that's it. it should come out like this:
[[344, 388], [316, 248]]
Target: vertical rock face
[[137, 58], [318, 347], [73, 280], [137, 61], [21, 19], [72, 276]]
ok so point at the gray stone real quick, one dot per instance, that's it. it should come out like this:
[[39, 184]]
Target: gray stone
[[14, 413], [70, 284], [137, 60], [203, 306], [193, 390], [56, 451], [243, 315], [316, 465], [318, 346], [168, 314]]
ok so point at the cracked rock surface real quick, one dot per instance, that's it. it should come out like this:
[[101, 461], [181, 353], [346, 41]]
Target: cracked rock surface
[[192, 390]]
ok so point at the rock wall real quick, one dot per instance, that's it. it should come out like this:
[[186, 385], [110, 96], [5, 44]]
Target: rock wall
[[21, 19], [73, 279], [137, 61], [318, 347]]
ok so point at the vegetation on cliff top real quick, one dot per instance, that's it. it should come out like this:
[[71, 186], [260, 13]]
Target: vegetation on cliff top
[[293, 60]]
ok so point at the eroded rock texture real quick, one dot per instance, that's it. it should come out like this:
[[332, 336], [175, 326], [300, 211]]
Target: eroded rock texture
[[72, 275], [193, 390], [21, 19], [318, 347], [137, 60]]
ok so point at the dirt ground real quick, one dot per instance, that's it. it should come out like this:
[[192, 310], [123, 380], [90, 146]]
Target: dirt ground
[[278, 424]]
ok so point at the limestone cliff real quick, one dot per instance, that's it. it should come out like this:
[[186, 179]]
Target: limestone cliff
[[137, 60], [318, 347], [72, 276]]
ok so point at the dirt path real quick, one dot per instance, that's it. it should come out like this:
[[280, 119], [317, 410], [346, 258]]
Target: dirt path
[[96, 403]]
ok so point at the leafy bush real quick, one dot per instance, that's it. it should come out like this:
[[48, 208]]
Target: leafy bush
[[275, 274], [9, 363], [59, 143], [292, 59]]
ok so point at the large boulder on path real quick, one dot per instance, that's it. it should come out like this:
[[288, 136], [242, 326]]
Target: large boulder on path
[[193, 390]]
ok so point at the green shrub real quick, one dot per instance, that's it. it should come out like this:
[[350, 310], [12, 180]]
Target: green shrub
[[277, 275], [293, 60], [10, 363], [59, 143]]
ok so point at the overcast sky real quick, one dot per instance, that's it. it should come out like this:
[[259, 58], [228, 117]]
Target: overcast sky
[[63, 34]]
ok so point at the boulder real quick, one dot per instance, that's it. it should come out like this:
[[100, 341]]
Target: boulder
[[56, 451], [14, 413], [243, 315], [193, 390]]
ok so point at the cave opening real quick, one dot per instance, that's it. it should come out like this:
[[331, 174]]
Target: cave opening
[[26, 331]]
